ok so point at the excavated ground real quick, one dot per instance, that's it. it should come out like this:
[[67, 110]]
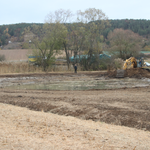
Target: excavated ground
[[126, 107], [133, 73]]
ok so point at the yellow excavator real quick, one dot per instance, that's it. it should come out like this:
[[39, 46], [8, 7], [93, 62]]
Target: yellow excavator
[[130, 63]]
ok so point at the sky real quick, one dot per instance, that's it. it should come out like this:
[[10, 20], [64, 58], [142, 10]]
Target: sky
[[35, 11]]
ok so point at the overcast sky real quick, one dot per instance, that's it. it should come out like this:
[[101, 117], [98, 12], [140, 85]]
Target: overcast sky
[[35, 11]]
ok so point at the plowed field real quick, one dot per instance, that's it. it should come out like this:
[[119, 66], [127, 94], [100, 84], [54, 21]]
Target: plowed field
[[128, 107]]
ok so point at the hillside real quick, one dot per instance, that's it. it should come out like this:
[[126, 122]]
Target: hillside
[[15, 32]]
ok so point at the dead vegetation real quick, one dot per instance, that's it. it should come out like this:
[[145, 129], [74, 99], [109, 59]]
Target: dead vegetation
[[23, 67], [20, 67], [21, 128]]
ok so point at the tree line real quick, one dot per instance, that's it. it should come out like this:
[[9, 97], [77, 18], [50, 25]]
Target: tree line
[[83, 37], [90, 33], [142, 27], [14, 32]]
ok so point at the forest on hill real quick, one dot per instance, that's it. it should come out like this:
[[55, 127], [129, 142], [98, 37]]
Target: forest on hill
[[15, 32]]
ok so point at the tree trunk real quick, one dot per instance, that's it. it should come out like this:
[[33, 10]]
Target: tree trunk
[[67, 55]]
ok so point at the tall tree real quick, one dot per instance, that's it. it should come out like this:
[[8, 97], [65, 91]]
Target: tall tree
[[94, 21], [124, 43], [62, 17]]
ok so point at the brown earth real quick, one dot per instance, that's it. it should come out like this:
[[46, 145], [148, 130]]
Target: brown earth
[[23, 129], [123, 107], [133, 73], [137, 73]]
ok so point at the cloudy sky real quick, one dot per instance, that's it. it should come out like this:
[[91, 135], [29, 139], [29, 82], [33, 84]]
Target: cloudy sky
[[35, 11]]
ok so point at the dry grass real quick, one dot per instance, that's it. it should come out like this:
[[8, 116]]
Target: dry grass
[[39, 130], [19, 67], [22, 67]]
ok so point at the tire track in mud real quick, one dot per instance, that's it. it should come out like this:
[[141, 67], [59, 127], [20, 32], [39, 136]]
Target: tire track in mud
[[102, 105]]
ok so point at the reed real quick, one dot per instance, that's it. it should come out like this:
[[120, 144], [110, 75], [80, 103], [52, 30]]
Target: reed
[[24, 67], [18, 68]]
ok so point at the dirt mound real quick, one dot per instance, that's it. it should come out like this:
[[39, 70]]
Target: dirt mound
[[137, 73], [132, 73]]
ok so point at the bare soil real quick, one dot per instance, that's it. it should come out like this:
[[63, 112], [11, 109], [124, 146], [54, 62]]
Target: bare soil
[[23, 129], [132, 73], [128, 107], [125, 107]]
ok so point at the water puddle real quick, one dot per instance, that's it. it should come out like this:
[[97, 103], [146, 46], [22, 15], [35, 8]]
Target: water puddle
[[83, 85]]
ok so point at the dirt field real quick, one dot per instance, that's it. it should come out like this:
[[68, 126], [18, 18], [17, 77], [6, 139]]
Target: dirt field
[[50, 123], [22, 54], [23, 129], [125, 107], [16, 55]]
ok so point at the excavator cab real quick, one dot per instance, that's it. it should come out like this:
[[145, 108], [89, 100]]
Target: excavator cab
[[130, 63]]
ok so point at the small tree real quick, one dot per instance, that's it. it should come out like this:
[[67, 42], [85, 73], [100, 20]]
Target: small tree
[[48, 43], [124, 43]]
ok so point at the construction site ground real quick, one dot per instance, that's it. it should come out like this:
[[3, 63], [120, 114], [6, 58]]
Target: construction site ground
[[91, 119]]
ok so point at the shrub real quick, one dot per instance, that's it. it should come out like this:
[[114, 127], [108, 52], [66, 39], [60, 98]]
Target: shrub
[[2, 57], [94, 64], [116, 63]]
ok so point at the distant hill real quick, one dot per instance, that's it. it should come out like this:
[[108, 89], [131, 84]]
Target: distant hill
[[142, 27], [15, 32]]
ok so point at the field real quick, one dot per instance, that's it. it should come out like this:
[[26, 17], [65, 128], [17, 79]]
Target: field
[[110, 119], [21, 55]]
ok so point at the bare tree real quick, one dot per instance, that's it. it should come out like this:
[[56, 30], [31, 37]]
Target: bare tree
[[90, 14], [59, 16], [95, 22], [62, 17]]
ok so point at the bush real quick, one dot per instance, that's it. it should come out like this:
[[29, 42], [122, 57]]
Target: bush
[[25, 45], [94, 64], [2, 57], [116, 63]]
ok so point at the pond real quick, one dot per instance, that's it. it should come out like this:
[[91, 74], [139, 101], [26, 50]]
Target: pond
[[86, 84]]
